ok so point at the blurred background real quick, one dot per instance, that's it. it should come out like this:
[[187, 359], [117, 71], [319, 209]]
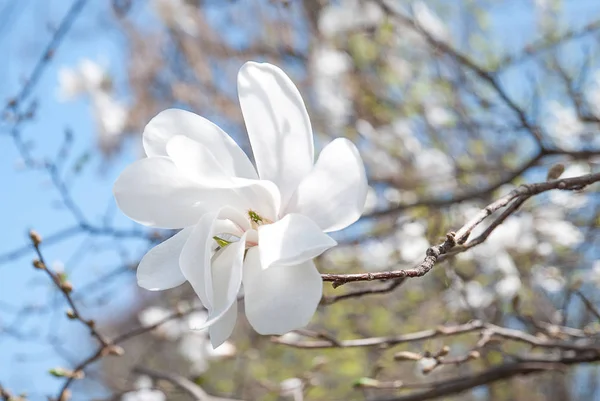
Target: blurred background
[[452, 104]]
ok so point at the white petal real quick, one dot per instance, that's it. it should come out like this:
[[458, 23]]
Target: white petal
[[291, 240], [278, 126], [172, 122], [221, 329], [196, 162], [217, 281], [195, 258], [281, 298], [159, 268], [334, 193], [153, 192]]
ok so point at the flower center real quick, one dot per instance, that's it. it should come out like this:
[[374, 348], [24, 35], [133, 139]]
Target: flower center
[[257, 220]]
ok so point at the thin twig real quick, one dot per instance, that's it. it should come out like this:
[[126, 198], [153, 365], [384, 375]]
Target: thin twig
[[514, 198], [181, 382]]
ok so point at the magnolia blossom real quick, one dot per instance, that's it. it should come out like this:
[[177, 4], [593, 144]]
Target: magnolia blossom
[[144, 391], [260, 227], [339, 18], [430, 22]]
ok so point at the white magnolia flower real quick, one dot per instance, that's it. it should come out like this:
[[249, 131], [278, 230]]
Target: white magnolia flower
[[339, 18], [292, 388], [594, 273], [88, 77], [144, 391], [171, 329], [240, 225], [469, 295], [548, 278], [509, 286], [177, 14], [430, 22], [329, 67]]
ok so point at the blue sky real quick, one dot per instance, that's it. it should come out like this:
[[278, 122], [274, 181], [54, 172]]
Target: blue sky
[[28, 200]]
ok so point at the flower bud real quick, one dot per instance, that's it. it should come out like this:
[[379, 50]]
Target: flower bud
[[407, 356], [36, 239]]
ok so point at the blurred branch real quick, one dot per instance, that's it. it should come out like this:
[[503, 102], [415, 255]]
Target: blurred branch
[[460, 384], [487, 329], [182, 383], [66, 288], [328, 300], [47, 54], [482, 73], [514, 198]]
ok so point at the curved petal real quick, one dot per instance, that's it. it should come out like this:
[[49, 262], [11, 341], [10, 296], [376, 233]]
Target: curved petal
[[334, 193], [227, 280], [195, 258], [281, 298], [215, 279], [221, 329], [291, 240], [196, 162], [153, 192], [172, 122], [278, 126], [159, 268]]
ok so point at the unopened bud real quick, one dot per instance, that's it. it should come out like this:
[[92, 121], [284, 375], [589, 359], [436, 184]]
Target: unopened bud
[[407, 356], [428, 369], [114, 350], [366, 382], [66, 286], [38, 264], [91, 323], [36, 239], [444, 351], [71, 314], [555, 171], [62, 372], [474, 355]]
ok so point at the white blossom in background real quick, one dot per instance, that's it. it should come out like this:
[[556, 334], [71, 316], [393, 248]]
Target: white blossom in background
[[195, 345], [471, 295], [177, 14], [347, 15], [329, 67], [437, 168], [92, 80], [411, 241], [144, 391], [430, 22], [508, 286], [260, 227], [111, 119], [552, 226], [376, 255], [371, 201], [549, 278], [152, 315], [438, 116], [88, 77], [592, 93], [292, 388], [594, 273], [563, 125], [424, 366]]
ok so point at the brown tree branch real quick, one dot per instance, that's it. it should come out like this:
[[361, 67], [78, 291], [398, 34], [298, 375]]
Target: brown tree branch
[[434, 253], [181, 382]]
